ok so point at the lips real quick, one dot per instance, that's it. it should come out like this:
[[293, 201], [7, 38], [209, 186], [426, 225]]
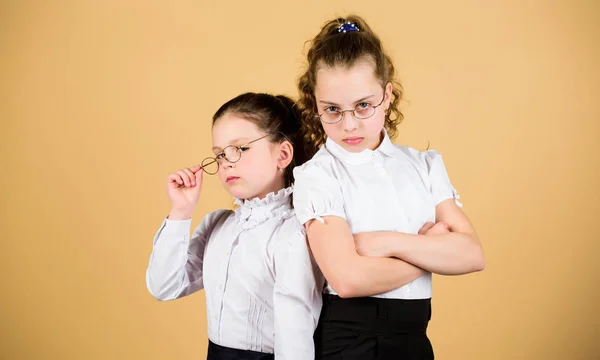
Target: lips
[[231, 179], [353, 140]]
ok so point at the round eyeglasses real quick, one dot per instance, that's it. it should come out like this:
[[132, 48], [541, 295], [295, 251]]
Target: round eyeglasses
[[362, 111], [231, 154]]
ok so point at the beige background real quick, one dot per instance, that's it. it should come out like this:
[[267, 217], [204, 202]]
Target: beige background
[[101, 99]]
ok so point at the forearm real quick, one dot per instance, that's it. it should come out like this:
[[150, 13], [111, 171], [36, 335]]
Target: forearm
[[368, 276], [452, 253], [166, 276]]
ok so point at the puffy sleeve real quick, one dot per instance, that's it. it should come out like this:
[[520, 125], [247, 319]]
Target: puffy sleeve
[[175, 266], [316, 194], [441, 187]]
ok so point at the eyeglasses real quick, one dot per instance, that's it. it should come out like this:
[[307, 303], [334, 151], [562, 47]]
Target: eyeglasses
[[231, 153], [362, 111]]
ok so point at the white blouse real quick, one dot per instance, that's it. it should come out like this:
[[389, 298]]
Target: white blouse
[[391, 188], [263, 287]]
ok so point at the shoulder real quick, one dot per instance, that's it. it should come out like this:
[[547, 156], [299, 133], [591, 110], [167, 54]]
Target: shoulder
[[422, 159], [291, 226], [321, 162], [290, 231], [219, 215], [319, 170], [213, 220]]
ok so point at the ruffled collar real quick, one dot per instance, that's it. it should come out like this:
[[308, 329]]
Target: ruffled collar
[[253, 212]]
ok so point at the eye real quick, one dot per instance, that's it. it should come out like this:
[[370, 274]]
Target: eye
[[243, 148], [220, 156], [332, 109], [363, 106]]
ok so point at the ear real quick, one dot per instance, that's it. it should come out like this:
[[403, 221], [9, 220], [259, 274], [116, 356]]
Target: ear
[[388, 95], [286, 154]]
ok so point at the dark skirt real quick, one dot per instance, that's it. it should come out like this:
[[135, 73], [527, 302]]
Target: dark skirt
[[371, 328], [218, 352]]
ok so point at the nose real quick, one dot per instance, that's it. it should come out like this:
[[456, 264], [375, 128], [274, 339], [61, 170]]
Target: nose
[[223, 163], [348, 121]]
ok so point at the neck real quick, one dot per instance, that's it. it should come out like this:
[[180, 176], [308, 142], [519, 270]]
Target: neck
[[376, 144], [273, 187]]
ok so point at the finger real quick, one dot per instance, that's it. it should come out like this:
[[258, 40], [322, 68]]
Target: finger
[[196, 168], [440, 228], [191, 175], [199, 175], [175, 178], [185, 177], [428, 225], [444, 226]]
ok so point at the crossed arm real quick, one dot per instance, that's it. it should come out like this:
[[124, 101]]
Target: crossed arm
[[450, 247], [372, 263]]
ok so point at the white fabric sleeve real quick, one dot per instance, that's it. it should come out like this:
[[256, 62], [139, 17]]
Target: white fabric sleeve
[[175, 267], [441, 187], [297, 299], [316, 194]]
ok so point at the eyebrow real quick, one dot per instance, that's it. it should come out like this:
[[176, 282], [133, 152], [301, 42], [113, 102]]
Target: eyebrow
[[234, 141], [356, 102]]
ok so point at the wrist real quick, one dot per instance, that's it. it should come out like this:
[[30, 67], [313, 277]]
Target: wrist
[[177, 214], [386, 244], [397, 244]]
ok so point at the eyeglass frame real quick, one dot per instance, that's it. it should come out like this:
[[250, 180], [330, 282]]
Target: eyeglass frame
[[342, 112], [238, 149]]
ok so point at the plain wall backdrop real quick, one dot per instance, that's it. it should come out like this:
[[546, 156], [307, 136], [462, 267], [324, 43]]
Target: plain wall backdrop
[[100, 100]]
